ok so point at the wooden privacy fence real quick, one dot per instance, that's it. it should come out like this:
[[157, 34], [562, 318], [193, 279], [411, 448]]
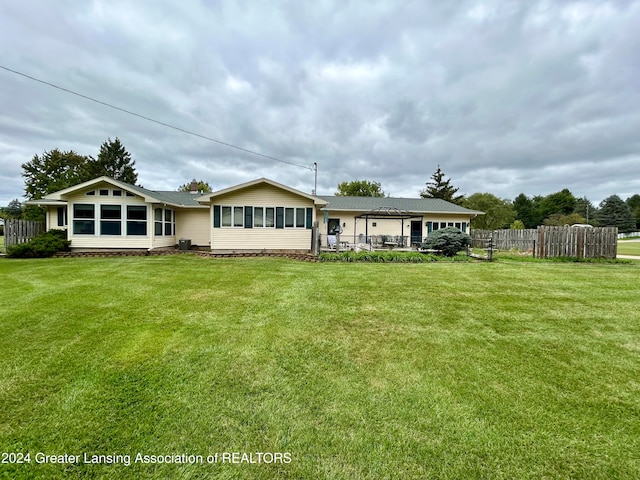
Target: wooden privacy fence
[[548, 242], [20, 231]]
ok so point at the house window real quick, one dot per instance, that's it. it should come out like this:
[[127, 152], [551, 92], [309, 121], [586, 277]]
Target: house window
[[104, 192], [117, 193], [226, 216], [261, 217], [169, 222], [288, 217], [157, 222], [84, 219], [129, 194], [238, 217], [294, 217], [62, 216], [258, 217], [300, 217], [232, 217], [164, 222], [110, 220], [269, 217], [91, 193], [136, 220], [264, 217]]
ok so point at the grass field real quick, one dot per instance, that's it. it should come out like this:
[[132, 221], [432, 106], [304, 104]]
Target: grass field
[[357, 371], [629, 247]]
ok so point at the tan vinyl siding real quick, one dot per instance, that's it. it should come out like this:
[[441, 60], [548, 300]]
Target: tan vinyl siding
[[52, 218], [258, 238], [193, 224], [239, 239]]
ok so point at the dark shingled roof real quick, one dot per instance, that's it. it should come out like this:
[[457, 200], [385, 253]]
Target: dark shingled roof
[[414, 205]]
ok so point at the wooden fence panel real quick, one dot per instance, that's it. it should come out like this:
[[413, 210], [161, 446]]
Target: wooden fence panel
[[577, 242], [549, 242], [20, 231]]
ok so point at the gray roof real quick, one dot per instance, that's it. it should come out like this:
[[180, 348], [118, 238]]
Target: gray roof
[[414, 205], [185, 199]]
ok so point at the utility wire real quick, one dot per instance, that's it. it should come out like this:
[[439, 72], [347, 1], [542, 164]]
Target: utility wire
[[86, 97]]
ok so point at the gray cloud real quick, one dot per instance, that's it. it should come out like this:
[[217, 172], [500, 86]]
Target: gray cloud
[[507, 97]]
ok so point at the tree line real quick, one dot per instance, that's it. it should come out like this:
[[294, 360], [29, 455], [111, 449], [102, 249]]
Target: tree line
[[55, 170], [559, 208]]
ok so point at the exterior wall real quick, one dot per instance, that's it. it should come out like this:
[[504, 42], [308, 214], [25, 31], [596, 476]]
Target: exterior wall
[[193, 224], [51, 218], [354, 230], [261, 238], [96, 240]]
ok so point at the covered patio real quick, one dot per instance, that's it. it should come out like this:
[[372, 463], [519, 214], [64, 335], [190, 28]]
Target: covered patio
[[409, 238]]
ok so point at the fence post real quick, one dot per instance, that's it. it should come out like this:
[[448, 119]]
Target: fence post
[[315, 239]]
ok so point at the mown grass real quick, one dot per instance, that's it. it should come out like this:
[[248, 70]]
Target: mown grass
[[629, 247], [439, 370]]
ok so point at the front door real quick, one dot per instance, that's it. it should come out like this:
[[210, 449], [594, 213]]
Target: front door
[[333, 226], [416, 232]]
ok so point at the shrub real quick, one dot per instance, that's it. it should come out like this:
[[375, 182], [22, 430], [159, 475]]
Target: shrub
[[448, 241], [41, 246]]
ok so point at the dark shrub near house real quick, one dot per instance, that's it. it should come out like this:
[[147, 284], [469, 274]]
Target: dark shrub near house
[[448, 241], [41, 246]]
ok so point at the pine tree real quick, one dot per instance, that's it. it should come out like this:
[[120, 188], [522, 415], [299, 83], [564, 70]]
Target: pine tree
[[440, 188], [114, 161], [614, 212]]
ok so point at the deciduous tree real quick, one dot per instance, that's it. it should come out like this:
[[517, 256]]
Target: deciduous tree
[[202, 186], [498, 212], [360, 188], [52, 171]]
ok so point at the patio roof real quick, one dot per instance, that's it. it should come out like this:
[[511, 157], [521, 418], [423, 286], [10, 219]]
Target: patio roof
[[388, 212]]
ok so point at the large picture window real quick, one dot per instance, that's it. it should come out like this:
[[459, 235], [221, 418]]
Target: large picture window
[[110, 220], [136, 220], [84, 222]]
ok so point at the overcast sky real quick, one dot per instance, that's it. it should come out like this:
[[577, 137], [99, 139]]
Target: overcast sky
[[507, 97]]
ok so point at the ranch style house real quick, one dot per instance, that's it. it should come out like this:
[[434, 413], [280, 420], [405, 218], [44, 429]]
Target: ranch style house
[[256, 216]]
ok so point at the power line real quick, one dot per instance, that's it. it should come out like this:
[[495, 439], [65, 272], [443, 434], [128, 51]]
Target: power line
[[86, 97]]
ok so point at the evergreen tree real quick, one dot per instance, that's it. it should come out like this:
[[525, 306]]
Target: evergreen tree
[[114, 161], [634, 204], [614, 212], [438, 187], [586, 209], [13, 210], [526, 211]]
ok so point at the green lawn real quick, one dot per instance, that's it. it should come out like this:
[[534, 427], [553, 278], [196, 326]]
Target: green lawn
[[2, 249], [357, 371], [628, 247]]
